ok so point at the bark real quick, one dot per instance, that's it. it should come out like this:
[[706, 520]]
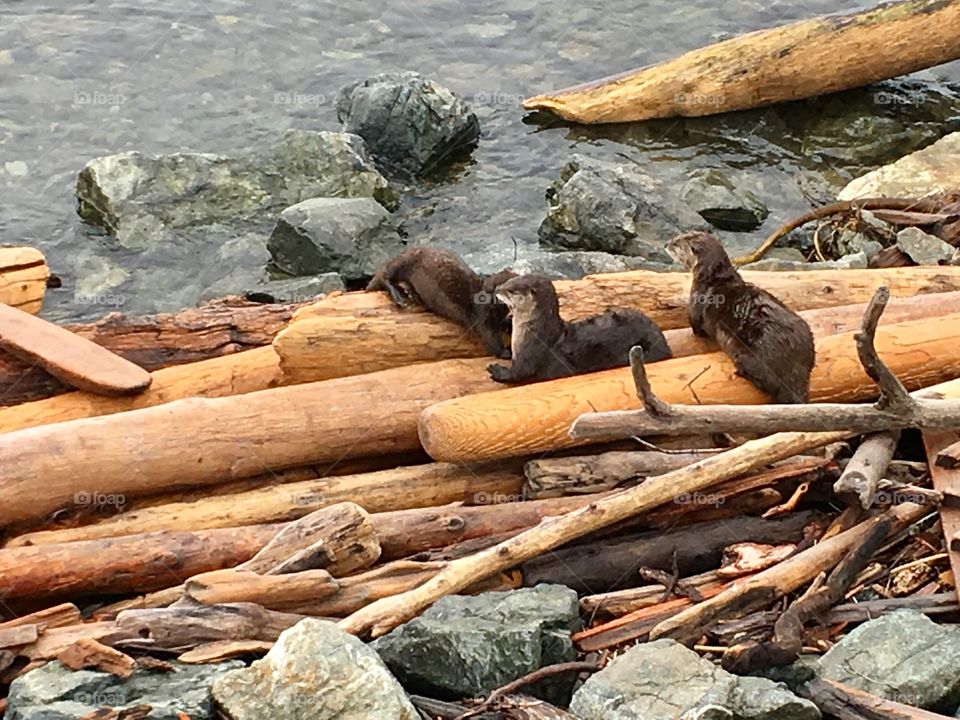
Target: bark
[[848, 703]]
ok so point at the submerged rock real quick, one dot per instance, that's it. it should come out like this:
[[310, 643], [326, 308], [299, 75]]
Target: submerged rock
[[471, 645], [139, 198], [605, 207], [722, 204], [410, 123], [903, 656], [315, 671], [932, 170], [352, 236], [923, 248], [53, 692], [664, 680]]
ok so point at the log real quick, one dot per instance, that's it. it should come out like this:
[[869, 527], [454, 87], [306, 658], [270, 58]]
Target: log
[[183, 443], [849, 703], [72, 359], [288, 592], [383, 615], [606, 565], [537, 417], [383, 491], [363, 332], [222, 327], [810, 57], [866, 468], [56, 616], [946, 481], [765, 587], [339, 539], [23, 278]]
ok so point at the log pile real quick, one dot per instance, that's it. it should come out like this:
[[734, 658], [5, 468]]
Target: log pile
[[359, 464]]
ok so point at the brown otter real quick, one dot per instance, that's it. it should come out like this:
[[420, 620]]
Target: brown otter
[[770, 345], [546, 347], [441, 282]]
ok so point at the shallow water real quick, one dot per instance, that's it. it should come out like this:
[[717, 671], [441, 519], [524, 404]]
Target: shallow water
[[81, 79]]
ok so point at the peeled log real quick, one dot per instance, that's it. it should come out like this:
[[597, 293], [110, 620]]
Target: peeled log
[[218, 328], [23, 278], [534, 418], [198, 440], [811, 57], [356, 333]]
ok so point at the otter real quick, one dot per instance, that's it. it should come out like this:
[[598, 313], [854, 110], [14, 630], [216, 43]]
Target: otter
[[770, 345], [546, 347], [441, 282]]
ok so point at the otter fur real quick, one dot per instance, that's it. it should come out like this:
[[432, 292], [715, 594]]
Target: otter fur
[[545, 347], [439, 281], [770, 345]]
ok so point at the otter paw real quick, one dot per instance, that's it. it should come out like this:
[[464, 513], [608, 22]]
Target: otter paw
[[500, 373]]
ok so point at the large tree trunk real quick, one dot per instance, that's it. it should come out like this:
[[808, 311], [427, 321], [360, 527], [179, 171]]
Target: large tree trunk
[[198, 440], [362, 332], [218, 328], [537, 417], [806, 58], [23, 278]]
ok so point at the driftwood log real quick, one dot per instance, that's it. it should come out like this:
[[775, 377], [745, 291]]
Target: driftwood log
[[848, 703], [537, 417], [863, 473], [23, 278], [810, 57], [363, 332]]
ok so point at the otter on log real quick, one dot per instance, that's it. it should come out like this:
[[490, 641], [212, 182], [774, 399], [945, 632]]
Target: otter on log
[[441, 282], [546, 347], [770, 345]]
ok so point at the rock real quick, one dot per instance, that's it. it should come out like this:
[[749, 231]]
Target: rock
[[295, 290], [851, 242], [410, 123], [718, 201], [853, 261], [352, 236], [315, 671], [470, 645], [574, 264], [903, 656], [923, 248], [139, 198], [54, 692], [934, 169], [665, 680], [600, 206]]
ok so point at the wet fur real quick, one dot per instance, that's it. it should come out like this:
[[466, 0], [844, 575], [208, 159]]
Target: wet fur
[[439, 281], [770, 345], [546, 347]]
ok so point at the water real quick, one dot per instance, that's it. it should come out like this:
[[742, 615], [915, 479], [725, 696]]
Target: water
[[81, 79]]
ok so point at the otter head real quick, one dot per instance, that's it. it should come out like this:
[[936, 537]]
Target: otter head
[[527, 294], [698, 251]]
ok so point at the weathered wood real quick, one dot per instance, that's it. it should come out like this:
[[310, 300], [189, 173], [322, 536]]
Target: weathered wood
[[382, 491], [382, 616], [89, 653], [23, 278], [949, 457], [622, 602], [355, 333], [56, 616], [947, 481], [221, 650], [537, 417], [18, 635], [863, 473], [759, 590], [810, 57], [221, 327], [55, 640], [606, 565], [849, 703], [74, 360], [287, 592], [339, 539], [184, 443]]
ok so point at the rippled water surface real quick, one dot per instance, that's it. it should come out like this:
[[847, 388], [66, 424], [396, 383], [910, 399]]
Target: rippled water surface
[[81, 79]]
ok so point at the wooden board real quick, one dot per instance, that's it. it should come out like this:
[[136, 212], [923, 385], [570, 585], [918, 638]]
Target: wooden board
[[947, 482], [68, 357]]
